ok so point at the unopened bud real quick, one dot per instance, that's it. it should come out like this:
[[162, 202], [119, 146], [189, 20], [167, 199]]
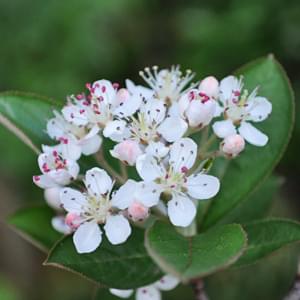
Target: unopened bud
[[138, 212], [73, 220], [209, 86], [232, 145]]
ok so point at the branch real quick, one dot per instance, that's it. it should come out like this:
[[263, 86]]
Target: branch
[[198, 286]]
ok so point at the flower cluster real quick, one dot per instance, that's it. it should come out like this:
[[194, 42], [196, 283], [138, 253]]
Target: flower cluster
[[165, 132]]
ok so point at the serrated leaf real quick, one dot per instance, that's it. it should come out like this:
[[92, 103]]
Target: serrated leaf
[[34, 224], [197, 256], [119, 266], [266, 236], [246, 172], [27, 114]]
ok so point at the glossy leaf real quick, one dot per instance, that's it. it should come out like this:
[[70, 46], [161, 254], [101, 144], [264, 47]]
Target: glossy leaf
[[266, 236], [27, 114], [34, 224], [246, 172], [119, 266], [197, 256]]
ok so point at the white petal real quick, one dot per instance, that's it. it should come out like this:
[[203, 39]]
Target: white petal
[[73, 168], [183, 154], [167, 283], [224, 128], [44, 181], [202, 186], [87, 237], [121, 293], [154, 111], [58, 223], [148, 168], [260, 109], [72, 200], [129, 106], [116, 130], [117, 229], [52, 197], [144, 92], [71, 150], [75, 115], [172, 129], [149, 292], [97, 182], [104, 88], [148, 193], [252, 135], [124, 196], [56, 127], [157, 149], [184, 102], [92, 145], [181, 211], [228, 85]]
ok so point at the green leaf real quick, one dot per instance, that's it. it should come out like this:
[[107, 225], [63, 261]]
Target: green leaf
[[26, 115], [266, 236], [270, 278], [119, 266], [246, 172], [257, 206], [197, 256], [34, 224]]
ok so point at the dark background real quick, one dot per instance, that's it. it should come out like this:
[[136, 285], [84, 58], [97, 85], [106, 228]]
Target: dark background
[[54, 47]]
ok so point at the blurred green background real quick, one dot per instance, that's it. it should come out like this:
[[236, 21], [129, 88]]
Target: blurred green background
[[54, 47]]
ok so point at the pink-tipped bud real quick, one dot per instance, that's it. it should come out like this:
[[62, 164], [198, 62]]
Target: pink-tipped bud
[[73, 220], [138, 212], [232, 145], [122, 95], [209, 86], [52, 197], [127, 151]]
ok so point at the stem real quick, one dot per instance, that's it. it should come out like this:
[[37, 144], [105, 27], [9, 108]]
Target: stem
[[207, 145], [103, 163], [123, 170], [198, 286], [189, 231]]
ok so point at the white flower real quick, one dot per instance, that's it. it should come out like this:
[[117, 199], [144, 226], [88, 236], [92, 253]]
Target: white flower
[[167, 84], [149, 292], [56, 170], [239, 110], [175, 183], [150, 129], [233, 145], [92, 208], [52, 197], [198, 106], [75, 140], [137, 197]]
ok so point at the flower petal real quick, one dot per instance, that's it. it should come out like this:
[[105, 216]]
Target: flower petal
[[148, 168], [58, 223], [181, 211], [149, 292], [124, 196], [157, 149], [116, 130], [121, 293], [224, 128], [91, 145], [97, 182], [228, 85], [201, 186], [117, 229], [72, 200], [253, 135], [44, 181], [56, 126], [148, 193], [52, 197], [104, 88], [129, 106], [87, 237], [183, 154], [172, 128], [260, 109], [154, 111], [75, 115], [71, 150], [167, 283]]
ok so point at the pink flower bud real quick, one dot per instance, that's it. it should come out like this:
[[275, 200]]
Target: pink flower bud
[[232, 145], [52, 197], [137, 211], [73, 220], [209, 86], [127, 151]]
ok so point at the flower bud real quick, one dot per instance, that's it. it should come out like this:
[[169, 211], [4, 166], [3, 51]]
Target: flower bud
[[122, 95], [58, 223], [52, 197], [73, 220], [127, 151], [232, 145], [137, 211], [209, 86]]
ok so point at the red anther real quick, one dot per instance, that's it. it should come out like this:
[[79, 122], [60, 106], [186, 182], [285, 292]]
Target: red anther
[[116, 85], [236, 93], [88, 86], [184, 169], [86, 103], [101, 98], [55, 153], [82, 111], [204, 97], [36, 178], [192, 96], [79, 97], [103, 89]]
